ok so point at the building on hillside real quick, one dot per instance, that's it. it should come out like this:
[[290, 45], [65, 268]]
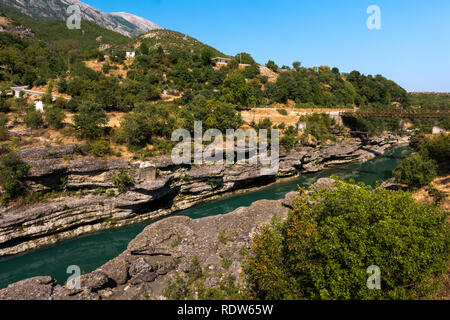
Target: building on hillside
[[130, 54], [39, 106], [147, 172], [437, 130], [224, 62], [301, 126], [221, 61]]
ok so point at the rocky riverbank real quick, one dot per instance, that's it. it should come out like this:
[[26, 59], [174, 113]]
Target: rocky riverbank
[[86, 196], [163, 251]]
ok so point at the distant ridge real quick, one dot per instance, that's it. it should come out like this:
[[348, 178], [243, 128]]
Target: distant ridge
[[122, 22]]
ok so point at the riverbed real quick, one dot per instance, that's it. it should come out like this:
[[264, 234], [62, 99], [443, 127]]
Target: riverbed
[[91, 251]]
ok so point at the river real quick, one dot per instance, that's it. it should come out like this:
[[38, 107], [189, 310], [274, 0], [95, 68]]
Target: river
[[91, 251]]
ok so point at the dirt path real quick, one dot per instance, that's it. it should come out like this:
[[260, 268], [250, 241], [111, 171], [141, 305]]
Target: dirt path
[[276, 117]]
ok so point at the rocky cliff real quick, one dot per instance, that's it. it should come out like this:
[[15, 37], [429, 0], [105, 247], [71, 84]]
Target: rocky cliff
[[81, 195], [124, 23], [167, 249]]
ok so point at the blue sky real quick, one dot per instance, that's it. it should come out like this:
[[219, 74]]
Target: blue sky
[[412, 48]]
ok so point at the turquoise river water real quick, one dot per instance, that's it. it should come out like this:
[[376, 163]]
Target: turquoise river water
[[93, 250]]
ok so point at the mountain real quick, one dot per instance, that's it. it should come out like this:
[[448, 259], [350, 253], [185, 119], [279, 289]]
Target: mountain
[[124, 23]]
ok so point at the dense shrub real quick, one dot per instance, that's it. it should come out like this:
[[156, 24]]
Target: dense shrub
[[34, 119], [326, 245], [90, 120], [99, 148], [54, 117], [436, 148], [237, 91], [4, 105], [319, 126], [4, 134], [12, 171], [213, 113], [416, 171], [272, 66], [436, 194], [146, 122], [290, 138], [265, 123], [122, 180]]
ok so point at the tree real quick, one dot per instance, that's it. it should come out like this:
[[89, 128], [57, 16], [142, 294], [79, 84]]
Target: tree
[[244, 58], [144, 49], [214, 114], [436, 148], [12, 171], [90, 120], [33, 118], [336, 71], [237, 91], [251, 71], [146, 122], [122, 180], [233, 65], [272, 66], [416, 171], [54, 117], [207, 55], [296, 65], [332, 236], [4, 133]]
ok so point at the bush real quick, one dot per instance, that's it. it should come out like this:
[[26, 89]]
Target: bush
[[90, 121], [288, 142], [4, 105], [437, 195], [34, 119], [60, 103], [436, 148], [145, 123], [319, 126], [99, 148], [416, 171], [262, 124], [122, 180], [54, 117], [4, 134], [324, 248], [106, 68], [271, 65], [290, 138], [237, 91], [12, 170]]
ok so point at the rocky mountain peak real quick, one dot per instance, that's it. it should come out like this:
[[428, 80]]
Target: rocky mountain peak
[[122, 22]]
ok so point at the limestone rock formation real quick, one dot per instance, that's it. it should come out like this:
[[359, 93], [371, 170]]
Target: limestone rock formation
[[85, 196]]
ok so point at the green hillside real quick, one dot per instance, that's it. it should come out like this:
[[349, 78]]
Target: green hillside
[[101, 81], [175, 41], [430, 100]]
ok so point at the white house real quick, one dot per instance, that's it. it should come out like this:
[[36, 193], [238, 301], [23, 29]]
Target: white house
[[437, 130], [39, 106], [130, 54], [302, 126], [221, 61]]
